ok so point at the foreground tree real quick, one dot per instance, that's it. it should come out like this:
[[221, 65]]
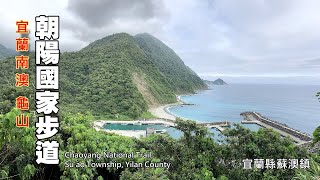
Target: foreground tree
[[310, 174], [17, 146], [196, 155], [316, 135], [314, 172]]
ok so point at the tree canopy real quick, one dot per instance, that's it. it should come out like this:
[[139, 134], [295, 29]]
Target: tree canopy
[[113, 75]]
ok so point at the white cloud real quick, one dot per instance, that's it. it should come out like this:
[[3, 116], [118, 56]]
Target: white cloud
[[236, 38]]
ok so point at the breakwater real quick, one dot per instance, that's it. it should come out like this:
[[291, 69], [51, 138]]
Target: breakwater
[[283, 129]]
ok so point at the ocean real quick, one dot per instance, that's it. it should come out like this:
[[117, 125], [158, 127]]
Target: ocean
[[295, 105]]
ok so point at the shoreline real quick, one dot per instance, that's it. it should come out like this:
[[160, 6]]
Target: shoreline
[[98, 126], [163, 112]]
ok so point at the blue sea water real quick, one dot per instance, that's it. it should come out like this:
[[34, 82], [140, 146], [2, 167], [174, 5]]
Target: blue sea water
[[294, 105]]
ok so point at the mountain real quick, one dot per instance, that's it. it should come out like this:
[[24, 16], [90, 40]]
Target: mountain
[[216, 82], [119, 74], [5, 52], [180, 77]]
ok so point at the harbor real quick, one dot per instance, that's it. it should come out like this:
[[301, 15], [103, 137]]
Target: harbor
[[100, 124], [298, 137], [256, 118]]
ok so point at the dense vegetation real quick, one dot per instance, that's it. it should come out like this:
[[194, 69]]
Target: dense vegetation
[[112, 76], [196, 155], [181, 78], [5, 52]]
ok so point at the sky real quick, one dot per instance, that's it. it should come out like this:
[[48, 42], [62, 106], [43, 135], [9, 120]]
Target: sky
[[247, 41]]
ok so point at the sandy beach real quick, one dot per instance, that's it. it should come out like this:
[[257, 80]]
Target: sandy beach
[[162, 111], [98, 126]]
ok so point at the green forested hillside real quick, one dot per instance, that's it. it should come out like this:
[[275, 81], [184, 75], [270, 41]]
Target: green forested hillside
[[111, 76], [181, 78], [5, 52]]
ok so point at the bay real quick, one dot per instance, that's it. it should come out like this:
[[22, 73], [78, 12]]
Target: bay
[[294, 105]]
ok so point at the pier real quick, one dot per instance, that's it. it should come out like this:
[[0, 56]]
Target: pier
[[166, 122], [256, 118], [163, 122], [217, 125], [187, 104]]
